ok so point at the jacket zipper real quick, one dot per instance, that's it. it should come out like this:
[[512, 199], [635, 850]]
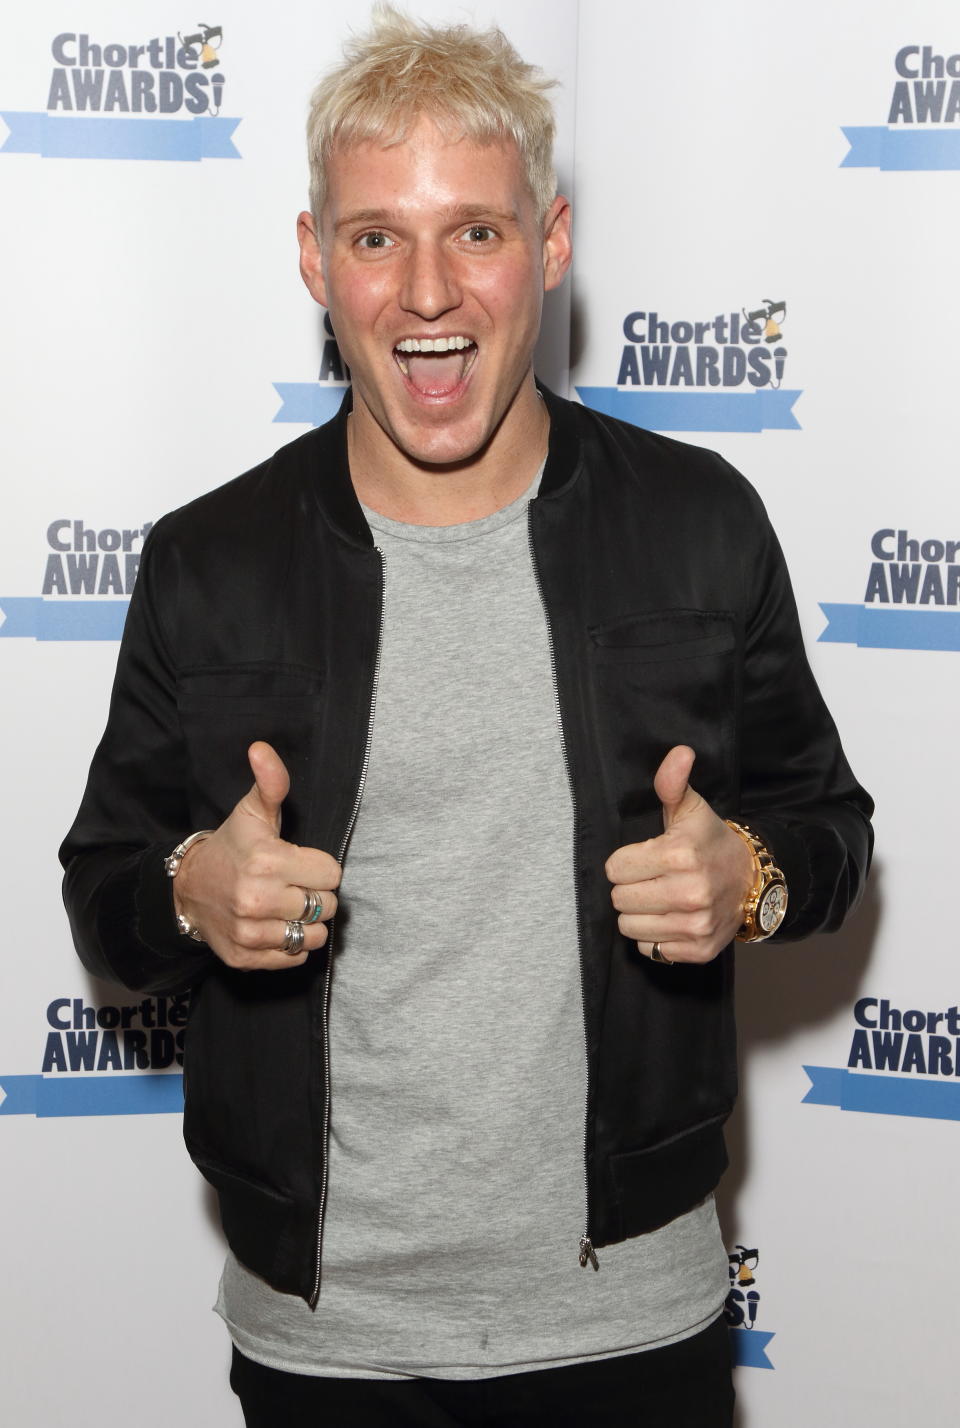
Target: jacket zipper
[[586, 1254], [325, 1008]]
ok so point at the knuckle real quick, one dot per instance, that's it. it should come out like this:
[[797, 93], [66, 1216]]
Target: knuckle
[[259, 863], [246, 903], [702, 925], [683, 857], [705, 887], [247, 935]]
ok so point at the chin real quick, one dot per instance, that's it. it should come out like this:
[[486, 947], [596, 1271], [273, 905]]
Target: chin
[[442, 447]]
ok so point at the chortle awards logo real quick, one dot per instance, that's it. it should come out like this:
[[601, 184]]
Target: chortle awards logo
[[104, 1060], [316, 402], [720, 373], [103, 92], [901, 1062], [911, 600], [741, 1310], [923, 121], [97, 566]]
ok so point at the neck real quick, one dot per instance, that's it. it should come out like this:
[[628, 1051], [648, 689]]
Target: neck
[[391, 483]]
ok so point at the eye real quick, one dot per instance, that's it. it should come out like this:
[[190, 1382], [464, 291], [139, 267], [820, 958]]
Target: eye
[[479, 233], [375, 241]]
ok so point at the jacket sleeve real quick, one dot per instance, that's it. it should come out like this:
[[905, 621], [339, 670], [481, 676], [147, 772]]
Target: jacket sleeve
[[797, 789], [134, 810]]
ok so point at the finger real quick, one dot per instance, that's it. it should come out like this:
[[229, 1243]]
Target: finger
[[275, 962], [671, 784], [295, 905], [279, 866], [666, 928], [656, 858], [308, 867], [248, 949], [271, 784], [688, 954], [253, 939], [665, 955], [315, 935], [270, 961], [653, 897]]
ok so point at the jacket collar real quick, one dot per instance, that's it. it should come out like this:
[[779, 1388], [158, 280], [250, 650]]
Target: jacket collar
[[564, 449], [325, 450]]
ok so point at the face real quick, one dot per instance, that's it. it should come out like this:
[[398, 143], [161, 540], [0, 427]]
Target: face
[[433, 265]]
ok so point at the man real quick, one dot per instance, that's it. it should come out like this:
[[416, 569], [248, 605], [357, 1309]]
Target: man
[[469, 638]]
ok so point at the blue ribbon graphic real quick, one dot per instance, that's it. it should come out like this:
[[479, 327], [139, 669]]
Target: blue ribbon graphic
[[875, 628], [882, 1095], [311, 402], [659, 410], [28, 617], [748, 1347], [96, 136], [894, 150], [153, 1093]]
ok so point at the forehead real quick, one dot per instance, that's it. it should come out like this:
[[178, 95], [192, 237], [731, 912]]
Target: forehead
[[425, 169]]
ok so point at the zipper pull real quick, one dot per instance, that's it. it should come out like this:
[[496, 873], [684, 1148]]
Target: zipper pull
[[588, 1254]]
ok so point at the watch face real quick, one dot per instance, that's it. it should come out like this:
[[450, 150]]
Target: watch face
[[773, 906]]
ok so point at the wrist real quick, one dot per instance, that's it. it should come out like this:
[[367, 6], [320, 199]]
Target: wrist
[[765, 903], [173, 866]]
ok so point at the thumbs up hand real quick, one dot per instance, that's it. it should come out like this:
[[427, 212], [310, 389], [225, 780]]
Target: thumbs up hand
[[685, 888], [243, 884]]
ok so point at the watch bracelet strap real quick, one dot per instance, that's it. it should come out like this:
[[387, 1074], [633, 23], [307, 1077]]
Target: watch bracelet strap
[[765, 866]]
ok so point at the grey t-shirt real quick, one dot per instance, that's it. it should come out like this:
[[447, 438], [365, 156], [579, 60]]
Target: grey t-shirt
[[457, 1194]]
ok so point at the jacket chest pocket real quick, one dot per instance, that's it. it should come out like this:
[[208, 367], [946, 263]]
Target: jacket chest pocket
[[661, 679], [223, 711]]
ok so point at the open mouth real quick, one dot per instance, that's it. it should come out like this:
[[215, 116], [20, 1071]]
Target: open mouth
[[435, 366]]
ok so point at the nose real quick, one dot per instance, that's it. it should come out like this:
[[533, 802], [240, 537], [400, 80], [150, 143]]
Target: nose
[[430, 286]]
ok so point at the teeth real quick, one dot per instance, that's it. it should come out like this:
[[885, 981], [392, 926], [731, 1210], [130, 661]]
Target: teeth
[[434, 344]]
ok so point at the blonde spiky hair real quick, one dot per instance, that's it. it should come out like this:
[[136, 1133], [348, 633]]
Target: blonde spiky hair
[[471, 83]]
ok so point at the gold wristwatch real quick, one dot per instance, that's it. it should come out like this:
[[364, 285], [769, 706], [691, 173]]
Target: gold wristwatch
[[765, 905]]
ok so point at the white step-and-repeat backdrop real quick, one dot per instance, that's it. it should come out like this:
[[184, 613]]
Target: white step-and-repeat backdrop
[[766, 209]]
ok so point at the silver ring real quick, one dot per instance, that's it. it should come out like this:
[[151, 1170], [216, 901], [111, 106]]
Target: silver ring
[[312, 907], [657, 956], [292, 942]]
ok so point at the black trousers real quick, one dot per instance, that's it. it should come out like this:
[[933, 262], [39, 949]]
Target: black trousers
[[685, 1385]]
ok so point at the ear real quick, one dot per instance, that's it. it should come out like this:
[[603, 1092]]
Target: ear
[[557, 243], [311, 259]]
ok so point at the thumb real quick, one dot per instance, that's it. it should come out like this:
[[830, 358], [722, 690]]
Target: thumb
[[671, 784], [271, 784]]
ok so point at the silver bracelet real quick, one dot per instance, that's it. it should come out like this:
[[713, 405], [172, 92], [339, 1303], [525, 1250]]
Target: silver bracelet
[[172, 867], [172, 864]]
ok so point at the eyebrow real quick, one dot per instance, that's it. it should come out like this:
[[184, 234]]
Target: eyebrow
[[457, 213]]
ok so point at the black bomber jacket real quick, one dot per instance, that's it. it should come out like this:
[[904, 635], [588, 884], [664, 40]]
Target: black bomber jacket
[[256, 615]]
